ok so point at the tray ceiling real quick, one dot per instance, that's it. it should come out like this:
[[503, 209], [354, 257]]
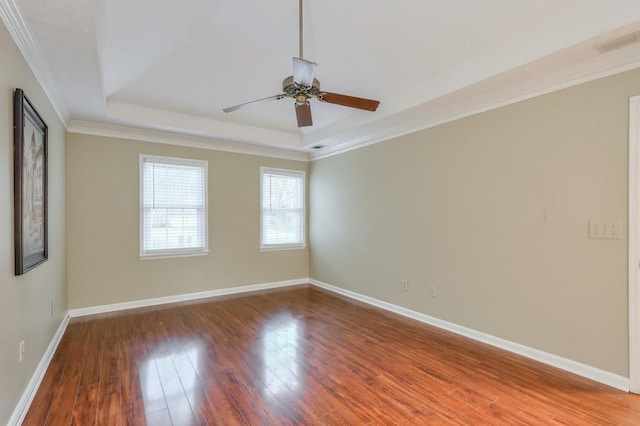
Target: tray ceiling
[[170, 66]]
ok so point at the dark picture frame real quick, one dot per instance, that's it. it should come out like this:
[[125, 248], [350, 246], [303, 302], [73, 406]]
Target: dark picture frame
[[30, 139]]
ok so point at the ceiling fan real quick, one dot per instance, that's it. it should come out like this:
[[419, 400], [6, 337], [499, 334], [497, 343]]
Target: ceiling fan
[[302, 86]]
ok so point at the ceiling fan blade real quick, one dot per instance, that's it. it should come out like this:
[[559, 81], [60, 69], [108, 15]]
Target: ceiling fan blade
[[303, 114], [257, 101], [303, 72], [349, 101]]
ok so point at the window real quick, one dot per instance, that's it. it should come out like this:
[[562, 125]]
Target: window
[[173, 207], [282, 206]]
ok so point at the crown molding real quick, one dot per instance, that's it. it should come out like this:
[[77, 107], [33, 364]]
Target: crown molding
[[164, 137], [531, 80], [17, 26], [197, 125], [487, 95], [568, 68]]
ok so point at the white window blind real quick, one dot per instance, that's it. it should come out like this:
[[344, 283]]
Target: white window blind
[[173, 216], [283, 212]]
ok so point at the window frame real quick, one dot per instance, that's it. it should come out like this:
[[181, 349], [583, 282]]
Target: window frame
[[291, 246], [174, 252]]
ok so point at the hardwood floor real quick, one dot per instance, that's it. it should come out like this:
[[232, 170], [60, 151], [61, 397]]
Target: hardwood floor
[[301, 356]]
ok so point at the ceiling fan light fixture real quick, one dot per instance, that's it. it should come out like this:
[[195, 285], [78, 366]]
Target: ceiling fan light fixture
[[303, 72]]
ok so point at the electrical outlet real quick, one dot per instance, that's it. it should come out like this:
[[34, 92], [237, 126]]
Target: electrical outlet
[[21, 352], [605, 230], [433, 291], [404, 285]]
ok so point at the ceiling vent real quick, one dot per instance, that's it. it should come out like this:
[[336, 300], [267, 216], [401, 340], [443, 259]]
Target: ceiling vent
[[618, 43]]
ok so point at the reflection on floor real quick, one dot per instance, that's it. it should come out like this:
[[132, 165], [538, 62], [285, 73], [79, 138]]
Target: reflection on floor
[[306, 356]]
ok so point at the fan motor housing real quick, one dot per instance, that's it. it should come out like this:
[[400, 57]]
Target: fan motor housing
[[292, 89]]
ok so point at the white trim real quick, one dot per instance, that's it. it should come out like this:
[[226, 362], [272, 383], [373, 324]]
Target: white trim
[[173, 252], [589, 372], [283, 247], [17, 26], [29, 393], [93, 310], [453, 106], [634, 253], [571, 366], [172, 255], [582, 68], [181, 139], [296, 174], [199, 125]]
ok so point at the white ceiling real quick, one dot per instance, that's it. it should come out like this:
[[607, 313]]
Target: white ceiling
[[173, 65]]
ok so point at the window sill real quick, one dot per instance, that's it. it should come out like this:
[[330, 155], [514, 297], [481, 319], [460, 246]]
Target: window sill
[[172, 255], [283, 247]]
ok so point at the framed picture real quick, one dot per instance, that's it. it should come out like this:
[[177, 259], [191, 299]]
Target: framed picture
[[30, 184]]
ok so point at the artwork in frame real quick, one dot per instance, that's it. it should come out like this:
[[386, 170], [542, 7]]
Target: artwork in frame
[[30, 185]]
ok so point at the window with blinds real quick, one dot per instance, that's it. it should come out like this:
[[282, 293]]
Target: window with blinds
[[283, 209], [173, 206]]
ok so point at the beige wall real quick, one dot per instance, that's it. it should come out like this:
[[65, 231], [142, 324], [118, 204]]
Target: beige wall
[[103, 218], [493, 211], [25, 301]]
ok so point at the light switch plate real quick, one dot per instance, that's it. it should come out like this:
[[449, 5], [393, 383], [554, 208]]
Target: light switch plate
[[605, 230]]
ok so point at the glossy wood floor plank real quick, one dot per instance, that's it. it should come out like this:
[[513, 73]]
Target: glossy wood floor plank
[[301, 356]]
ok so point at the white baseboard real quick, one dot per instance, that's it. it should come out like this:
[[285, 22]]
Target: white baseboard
[[593, 373], [73, 313], [29, 393]]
